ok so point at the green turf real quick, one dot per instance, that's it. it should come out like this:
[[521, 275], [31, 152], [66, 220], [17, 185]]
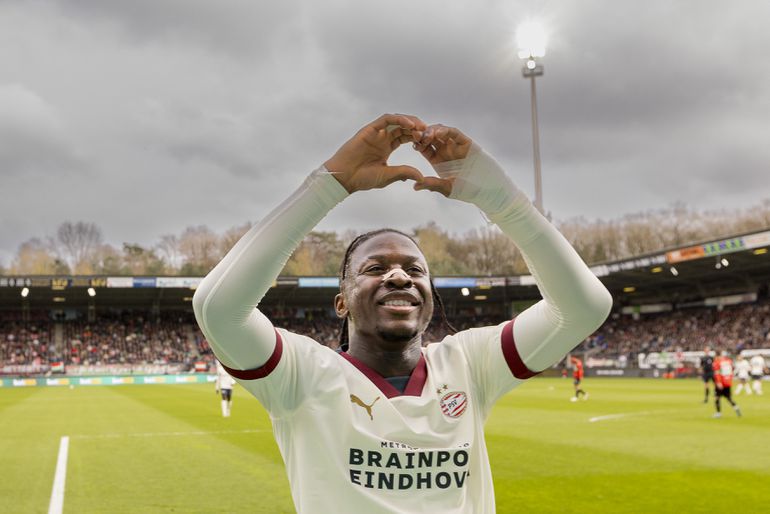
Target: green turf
[[166, 448]]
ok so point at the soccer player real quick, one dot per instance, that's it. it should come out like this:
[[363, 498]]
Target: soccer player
[[723, 379], [742, 368], [577, 376], [758, 368], [707, 372], [387, 425], [224, 386]]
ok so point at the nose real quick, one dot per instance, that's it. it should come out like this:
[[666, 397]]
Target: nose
[[397, 278]]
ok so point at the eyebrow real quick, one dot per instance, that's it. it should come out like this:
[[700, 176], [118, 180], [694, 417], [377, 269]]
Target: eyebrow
[[408, 259]]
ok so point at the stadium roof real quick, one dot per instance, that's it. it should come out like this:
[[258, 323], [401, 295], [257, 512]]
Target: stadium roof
[[736, 265]]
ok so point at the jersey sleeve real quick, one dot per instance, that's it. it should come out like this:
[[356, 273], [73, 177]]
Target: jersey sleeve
[[299, 367], [225, 302], [575, 302]]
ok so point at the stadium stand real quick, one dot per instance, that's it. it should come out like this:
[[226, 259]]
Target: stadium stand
[[670, 302]]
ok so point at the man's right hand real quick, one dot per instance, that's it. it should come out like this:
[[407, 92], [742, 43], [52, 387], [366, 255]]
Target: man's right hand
[[362, 162]]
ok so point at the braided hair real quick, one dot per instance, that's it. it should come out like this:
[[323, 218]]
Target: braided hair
[[344, 273]]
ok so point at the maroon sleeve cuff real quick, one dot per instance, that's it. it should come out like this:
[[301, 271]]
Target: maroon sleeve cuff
[[265, 369], [511, 354]]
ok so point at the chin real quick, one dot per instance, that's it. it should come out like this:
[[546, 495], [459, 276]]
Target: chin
[[398, 334]]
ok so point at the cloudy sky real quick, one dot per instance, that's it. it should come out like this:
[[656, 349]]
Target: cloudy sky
[[148, 116]]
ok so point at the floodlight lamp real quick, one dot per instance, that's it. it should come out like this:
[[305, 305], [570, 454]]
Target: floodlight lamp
[[674, 271], [725, 262], [25, 292], [465, 291], [91, 292], [530, 38]]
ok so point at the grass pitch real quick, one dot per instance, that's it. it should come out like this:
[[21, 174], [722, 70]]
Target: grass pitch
[[634, 446]]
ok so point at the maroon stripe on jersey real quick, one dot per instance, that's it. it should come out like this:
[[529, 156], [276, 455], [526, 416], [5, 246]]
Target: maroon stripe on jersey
[[417, 379], [265, 369], [511, 354], [413, 387]]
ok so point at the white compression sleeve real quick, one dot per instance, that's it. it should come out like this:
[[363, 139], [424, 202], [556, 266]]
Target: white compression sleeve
[[575, 302], [225, 301]]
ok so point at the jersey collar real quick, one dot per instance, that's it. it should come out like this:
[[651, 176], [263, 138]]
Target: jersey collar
[[413, 388]]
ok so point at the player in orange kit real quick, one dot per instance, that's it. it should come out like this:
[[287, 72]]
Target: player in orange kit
[[577, 375], [723, 379]]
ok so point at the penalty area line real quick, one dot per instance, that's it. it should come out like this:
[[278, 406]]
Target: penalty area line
[[57, 493]]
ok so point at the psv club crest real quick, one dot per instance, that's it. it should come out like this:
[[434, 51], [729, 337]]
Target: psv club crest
[[454, 404]]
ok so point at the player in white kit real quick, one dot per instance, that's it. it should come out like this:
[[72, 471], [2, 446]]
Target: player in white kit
[[758, 368], [224, 386], [742, 369], [386, 425]]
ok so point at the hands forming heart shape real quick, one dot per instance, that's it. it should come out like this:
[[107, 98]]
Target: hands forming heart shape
[[362, 162]]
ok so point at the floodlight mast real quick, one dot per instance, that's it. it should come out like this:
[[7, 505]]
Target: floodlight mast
[[531, 40]]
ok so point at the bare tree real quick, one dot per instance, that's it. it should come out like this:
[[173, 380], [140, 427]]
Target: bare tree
[[76, 243], [170, 252], [232, 236], [199, 247]]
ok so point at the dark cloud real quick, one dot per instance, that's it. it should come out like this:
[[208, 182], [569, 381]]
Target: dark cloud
[[209, 112], [33, 138]]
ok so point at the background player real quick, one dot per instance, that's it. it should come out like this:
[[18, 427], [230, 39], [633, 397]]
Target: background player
[[742, 369], [577, 376], [758, 368], [224, 386], [707, 372], [723, 379]]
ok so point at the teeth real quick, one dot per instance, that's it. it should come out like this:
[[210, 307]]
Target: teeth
[[398, 303]]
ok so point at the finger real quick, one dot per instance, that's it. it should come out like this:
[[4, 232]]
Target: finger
[[436, 184], [405, 138], [396, 132], [395, 173], [418, 123], [444, 134], [428, 151], [406, 121]]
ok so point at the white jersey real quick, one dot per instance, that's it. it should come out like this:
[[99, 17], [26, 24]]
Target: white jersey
[[351, 442], [224, 380], [757, 365], [742, 369], [345, 432]]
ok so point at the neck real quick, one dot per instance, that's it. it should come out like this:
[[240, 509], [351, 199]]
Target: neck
[[387, 359]]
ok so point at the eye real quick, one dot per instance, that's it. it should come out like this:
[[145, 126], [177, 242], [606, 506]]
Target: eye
[[415, 270], [376, 268]]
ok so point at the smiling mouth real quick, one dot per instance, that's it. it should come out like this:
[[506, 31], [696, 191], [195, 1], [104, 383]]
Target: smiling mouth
[[398, 303], [399, 306]]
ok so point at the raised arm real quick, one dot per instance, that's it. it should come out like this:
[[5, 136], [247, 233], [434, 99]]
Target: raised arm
[[575, 302], [225, 302]]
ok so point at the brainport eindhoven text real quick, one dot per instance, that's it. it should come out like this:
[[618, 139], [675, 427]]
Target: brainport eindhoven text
[[421, 469]]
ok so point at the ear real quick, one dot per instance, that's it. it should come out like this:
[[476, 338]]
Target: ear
[[339, 306]]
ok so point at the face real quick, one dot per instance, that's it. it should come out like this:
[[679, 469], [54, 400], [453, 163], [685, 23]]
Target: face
[[386, 293]]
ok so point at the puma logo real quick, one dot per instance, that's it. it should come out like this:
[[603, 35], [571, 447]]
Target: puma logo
[[368, 408]]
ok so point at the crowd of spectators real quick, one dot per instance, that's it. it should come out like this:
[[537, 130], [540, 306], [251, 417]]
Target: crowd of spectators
[[732, 328], [131, 338], [25, 343]]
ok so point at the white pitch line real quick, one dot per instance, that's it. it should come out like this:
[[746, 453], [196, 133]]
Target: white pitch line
[[629, 415], [171, 434], [57, 494]]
